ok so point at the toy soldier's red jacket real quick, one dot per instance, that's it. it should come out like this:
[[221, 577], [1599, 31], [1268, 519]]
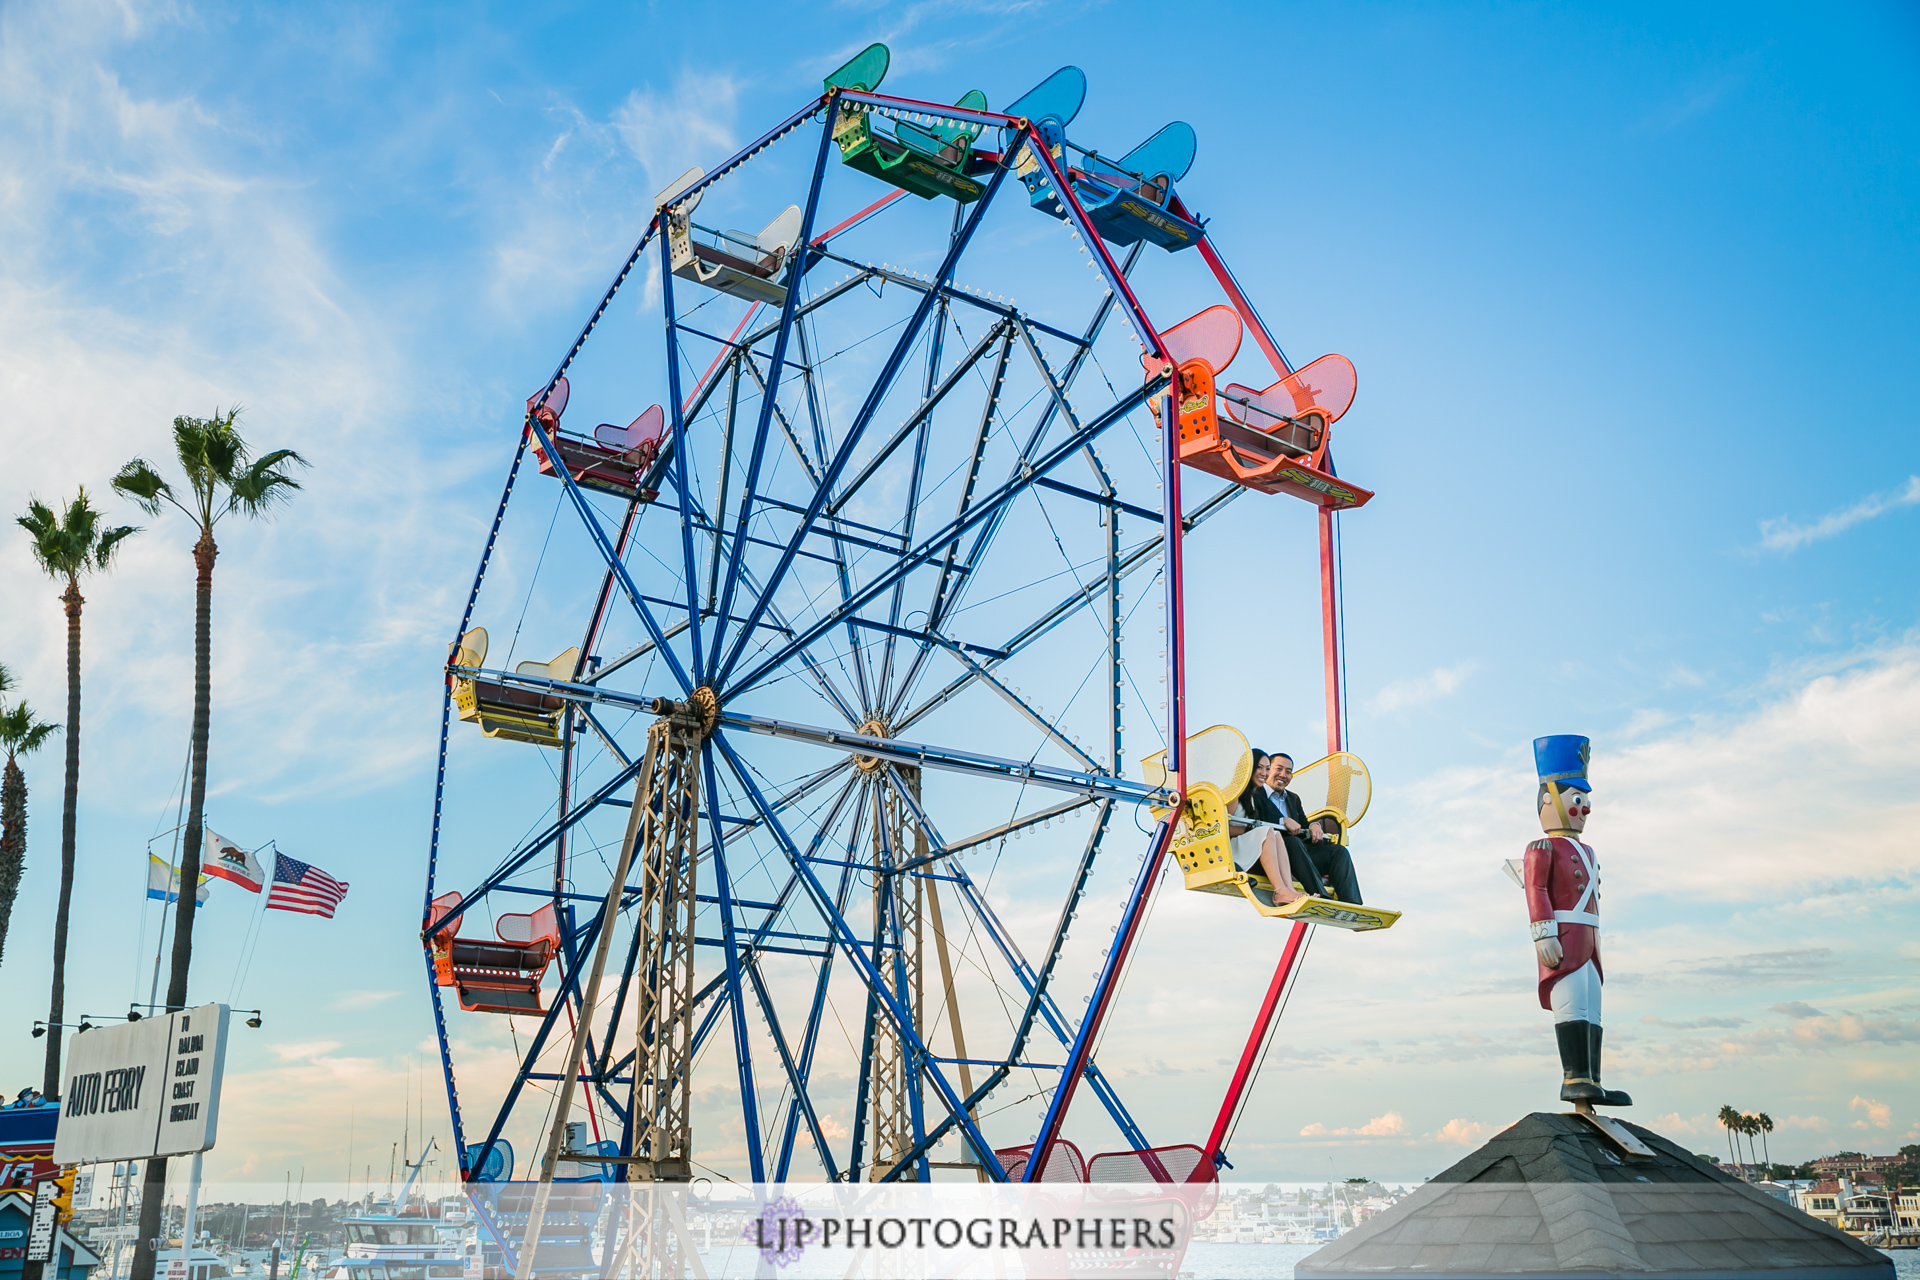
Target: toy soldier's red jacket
[[1563, 886]]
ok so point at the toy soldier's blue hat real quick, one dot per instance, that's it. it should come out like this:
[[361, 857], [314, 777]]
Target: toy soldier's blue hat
[[1562, 758]]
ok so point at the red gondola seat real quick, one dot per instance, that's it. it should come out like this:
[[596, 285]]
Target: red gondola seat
[[616, 460], [1273, 440], [500, 976], [1064, 1162]]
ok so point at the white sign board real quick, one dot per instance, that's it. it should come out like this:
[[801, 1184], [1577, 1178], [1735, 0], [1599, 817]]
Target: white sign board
[[83, 1190], [40, 1235], [148, 1088]]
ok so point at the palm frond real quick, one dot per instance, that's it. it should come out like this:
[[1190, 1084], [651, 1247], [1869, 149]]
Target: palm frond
[[6, 678], [20, 733], [264, 482], [68, 544], [141, 482], [109, 541]]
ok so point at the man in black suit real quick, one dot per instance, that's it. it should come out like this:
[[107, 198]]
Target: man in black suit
[[1306, 844]]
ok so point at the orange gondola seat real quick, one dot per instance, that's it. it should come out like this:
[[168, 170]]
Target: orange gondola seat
[[616, 460], [502, 975], [1274, 440]]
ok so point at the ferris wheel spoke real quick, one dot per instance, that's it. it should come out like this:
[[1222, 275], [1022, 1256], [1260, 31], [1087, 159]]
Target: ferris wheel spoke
[[795, 1080], [723, 883], [951, 759], [976, 516], [678, 426], [882, 384], [996, 333], [900, 1018], [943, 602], [1129, 563], [769, 396], [816, 1010]]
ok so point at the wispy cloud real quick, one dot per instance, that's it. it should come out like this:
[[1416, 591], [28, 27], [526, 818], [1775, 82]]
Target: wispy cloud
[[349, 1001], [1389, 1125], [1422, 690], [1785, 534]]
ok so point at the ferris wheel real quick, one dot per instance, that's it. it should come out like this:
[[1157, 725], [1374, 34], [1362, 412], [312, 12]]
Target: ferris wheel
[[792, 839]]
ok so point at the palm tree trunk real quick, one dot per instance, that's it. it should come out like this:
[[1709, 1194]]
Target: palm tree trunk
[[69, 818], [204, 552], [13, 841]]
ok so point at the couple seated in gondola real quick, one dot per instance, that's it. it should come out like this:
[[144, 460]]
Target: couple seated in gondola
[[1271, 833]]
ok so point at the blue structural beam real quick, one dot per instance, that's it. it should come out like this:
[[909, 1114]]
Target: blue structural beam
[[952, 759], [900, 1017], [937, 543], [876, 395]]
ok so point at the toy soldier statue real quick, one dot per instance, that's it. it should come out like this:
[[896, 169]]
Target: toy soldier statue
[[1562, 882]]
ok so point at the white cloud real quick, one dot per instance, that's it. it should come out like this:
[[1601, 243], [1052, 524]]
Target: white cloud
[[1421, 690], [1466, 1133], [1784, 534], [1879, 1114]]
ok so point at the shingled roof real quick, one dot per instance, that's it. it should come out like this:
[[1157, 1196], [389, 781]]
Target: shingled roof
[[1552, 1197]]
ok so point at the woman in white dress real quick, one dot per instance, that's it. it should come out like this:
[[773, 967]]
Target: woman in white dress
[[1257, 840]]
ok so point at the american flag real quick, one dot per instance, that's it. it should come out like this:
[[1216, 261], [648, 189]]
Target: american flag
[[300, 886]]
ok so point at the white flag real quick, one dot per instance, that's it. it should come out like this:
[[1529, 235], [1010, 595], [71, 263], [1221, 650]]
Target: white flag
[[224, 858]]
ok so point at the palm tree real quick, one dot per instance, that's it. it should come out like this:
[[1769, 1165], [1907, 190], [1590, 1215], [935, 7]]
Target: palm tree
[[68, 546], [1765, 1124], [1749, 1126], [20, 734], [1729, 1120], [221, 480]]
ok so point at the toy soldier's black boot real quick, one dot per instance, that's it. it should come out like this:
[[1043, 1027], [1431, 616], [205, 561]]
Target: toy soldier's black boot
[[1576, 1064], [1614, 1097]]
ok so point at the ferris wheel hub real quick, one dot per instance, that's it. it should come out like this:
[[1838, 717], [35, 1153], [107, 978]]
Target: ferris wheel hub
[[874, 728], [701, 709]]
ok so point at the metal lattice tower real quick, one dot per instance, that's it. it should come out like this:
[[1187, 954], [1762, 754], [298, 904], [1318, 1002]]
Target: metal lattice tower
[[662, 1131]]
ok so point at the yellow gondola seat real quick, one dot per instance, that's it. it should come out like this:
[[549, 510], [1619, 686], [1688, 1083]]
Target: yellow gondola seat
[[499, 976], [733, 262], [1219, 765], [503, 711]]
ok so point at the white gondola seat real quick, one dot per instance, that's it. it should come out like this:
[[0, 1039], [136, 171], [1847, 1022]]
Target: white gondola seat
[[753, 267]]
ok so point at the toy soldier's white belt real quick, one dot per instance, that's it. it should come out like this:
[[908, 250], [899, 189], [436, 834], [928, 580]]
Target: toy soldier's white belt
[[1577, 917]]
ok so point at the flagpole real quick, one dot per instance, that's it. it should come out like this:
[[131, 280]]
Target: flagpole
[[173, 864], [259, 926]]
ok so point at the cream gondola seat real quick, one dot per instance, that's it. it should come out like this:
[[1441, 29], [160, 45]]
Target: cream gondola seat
[[747, 266], [502, 711], [1334, 790]]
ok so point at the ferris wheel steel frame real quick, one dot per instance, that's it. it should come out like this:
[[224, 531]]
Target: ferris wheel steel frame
[[723, 665]]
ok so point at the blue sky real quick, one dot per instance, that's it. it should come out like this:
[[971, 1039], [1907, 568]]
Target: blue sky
[[1632, 301]]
